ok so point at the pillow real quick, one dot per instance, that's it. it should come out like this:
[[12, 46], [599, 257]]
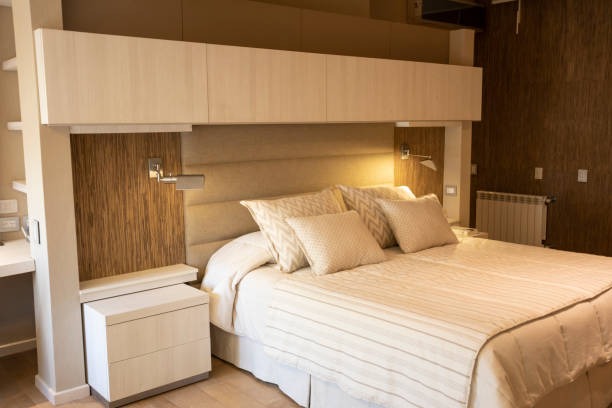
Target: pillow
[[363, 200], [270, 215], [335, 242], [419, 223]]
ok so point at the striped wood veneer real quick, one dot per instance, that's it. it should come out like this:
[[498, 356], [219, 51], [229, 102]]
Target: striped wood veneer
[[125, 221]]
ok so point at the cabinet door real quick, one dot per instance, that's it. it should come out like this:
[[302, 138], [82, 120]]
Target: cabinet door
[[369, 90], [363, 89], [96, 79], [252, 85]]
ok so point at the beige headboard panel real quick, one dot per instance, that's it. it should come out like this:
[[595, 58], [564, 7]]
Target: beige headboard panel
[[257, 161]]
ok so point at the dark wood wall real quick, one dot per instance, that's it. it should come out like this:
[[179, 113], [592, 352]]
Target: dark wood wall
[[423, 141], [125, 221], [262, 24], [546, 103]]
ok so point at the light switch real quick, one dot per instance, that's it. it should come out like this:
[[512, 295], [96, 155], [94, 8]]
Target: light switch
[[9, 224], [539, 173], [8, 206], [474, 169], [450, 190], [583, 175]]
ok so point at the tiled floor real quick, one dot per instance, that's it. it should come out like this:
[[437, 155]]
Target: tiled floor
[[227, 386]]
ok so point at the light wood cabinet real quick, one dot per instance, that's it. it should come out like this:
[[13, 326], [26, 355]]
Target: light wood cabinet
[[96, 80], [93, 79], [370, 89], [147, 342], [254, 85]]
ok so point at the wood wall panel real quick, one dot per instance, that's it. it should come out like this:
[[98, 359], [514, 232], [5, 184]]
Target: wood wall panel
[[243, 23], [418, 43], [336, 27], [330, 33], [350, 7], [137, 18], [126, 221], [410, 172], [546, 104]]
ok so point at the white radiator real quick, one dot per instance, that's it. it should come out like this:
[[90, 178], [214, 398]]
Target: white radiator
[[509, 217]]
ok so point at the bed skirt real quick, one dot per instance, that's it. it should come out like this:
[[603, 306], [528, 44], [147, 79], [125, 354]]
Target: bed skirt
[[592, 389]]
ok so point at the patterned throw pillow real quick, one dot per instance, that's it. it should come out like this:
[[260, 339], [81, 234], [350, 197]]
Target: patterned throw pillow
[[363, 200], [335, 242], [270, 215], [418, 224]]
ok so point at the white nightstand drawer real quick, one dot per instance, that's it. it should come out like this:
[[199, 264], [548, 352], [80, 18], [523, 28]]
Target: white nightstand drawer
[[140, 374], [146, 342], [143, 336]]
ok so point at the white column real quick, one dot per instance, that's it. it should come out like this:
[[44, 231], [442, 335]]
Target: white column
[[458, 139], [61, 371]]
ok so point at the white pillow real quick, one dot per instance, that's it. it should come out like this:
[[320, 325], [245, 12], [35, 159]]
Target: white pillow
[[419, 223], [335, 242], [270, 215], [363, 200], [226, 268]]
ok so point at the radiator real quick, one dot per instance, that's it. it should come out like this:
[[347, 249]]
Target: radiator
[[509, 217]]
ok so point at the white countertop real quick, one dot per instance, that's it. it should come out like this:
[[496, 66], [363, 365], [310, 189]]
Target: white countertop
[[15, 258]]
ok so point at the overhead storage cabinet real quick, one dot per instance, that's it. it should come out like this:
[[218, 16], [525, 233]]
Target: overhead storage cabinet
[[382, 90], [105, 79], [255, 85], [95, 79]]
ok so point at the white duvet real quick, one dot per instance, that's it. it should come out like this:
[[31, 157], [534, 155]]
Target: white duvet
[[224, 271]]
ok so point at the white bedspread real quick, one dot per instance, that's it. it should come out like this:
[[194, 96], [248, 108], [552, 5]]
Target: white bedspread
[[408, 332]]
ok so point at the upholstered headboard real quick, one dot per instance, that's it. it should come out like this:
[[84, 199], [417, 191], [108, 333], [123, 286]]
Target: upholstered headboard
[[262, 161]]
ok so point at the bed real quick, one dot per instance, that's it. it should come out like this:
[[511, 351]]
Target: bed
[[573, 381], [574, 371]]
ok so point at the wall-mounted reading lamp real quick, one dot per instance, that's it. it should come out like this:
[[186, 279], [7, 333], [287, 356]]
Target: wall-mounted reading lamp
[[405, 155], [182, 181]]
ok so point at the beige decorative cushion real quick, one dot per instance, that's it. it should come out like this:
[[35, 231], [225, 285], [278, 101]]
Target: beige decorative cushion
[[335, 242], [419, 223], [270, 215], [363, 200]]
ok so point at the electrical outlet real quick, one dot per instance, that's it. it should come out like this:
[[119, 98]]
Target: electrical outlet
[[583, 175], [8, 206], [9, 224], [539, 173], [474, 169]]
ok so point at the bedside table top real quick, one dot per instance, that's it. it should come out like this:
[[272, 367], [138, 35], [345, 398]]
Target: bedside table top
[[464, 232], [134, 306], [111, 286]]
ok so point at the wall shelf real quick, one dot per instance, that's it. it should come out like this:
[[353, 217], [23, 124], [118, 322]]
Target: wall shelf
[[14, 126], [15, 258], [20, 185], [10, 64]]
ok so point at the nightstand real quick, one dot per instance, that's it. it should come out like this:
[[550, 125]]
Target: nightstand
[[145, 343], [463, 232]]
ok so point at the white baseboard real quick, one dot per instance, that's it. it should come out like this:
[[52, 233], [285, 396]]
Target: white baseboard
[[17, 347], [61, 397]]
